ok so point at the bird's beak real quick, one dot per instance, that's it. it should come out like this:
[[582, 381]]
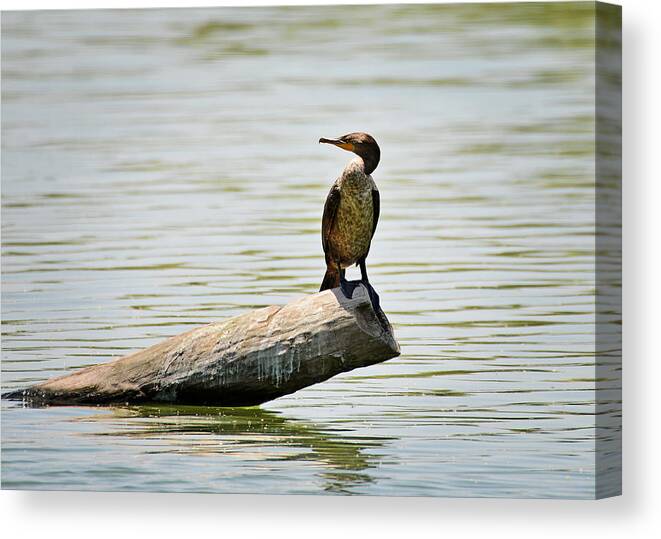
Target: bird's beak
[[337, 142]]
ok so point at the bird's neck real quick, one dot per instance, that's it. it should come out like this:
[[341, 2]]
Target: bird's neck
[[354, 177], [368, 163]]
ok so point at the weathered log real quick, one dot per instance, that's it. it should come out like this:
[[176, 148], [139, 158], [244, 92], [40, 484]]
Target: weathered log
[[246, 360]]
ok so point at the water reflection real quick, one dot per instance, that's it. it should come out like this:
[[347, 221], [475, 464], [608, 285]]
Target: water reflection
[[247, 434]]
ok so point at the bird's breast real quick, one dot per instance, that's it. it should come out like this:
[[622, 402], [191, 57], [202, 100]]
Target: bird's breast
[[352, 231]]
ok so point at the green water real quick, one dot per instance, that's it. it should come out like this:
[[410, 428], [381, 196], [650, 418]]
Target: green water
[[160, 170]]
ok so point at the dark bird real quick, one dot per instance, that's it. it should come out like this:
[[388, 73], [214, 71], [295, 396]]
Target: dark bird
[[351, 213]]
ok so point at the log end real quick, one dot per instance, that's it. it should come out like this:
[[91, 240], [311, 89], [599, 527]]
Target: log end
[[371, 321]]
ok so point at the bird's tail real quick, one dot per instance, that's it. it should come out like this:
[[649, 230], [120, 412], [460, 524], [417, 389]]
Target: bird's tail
[[331, 280]]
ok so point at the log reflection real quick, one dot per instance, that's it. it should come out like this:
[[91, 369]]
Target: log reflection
[[250, 434]]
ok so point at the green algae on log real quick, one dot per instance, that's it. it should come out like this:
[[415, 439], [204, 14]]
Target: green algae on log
[[243, 361]]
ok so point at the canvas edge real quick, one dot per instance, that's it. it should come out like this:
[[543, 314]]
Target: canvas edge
[[608, 250]]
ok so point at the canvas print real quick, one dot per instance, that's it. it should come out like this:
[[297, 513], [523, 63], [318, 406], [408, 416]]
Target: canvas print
[[357, 250]]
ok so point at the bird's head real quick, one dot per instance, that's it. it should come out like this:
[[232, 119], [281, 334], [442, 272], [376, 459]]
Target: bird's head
[[362, 145]]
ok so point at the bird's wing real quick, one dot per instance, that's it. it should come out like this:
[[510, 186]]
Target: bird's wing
[[330, 212], [376, 208]]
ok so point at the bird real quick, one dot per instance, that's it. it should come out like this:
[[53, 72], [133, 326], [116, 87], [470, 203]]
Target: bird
[[351, 213]]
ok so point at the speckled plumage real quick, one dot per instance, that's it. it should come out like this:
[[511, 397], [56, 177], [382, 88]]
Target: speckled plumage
[[351, 233]]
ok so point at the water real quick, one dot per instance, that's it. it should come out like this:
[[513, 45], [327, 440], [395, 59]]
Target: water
[[160, 170]]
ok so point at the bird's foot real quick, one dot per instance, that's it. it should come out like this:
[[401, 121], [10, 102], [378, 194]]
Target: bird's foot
[[374, 297], [348, 287]]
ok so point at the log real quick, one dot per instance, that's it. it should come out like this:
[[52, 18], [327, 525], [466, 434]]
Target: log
[[243, 361]]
